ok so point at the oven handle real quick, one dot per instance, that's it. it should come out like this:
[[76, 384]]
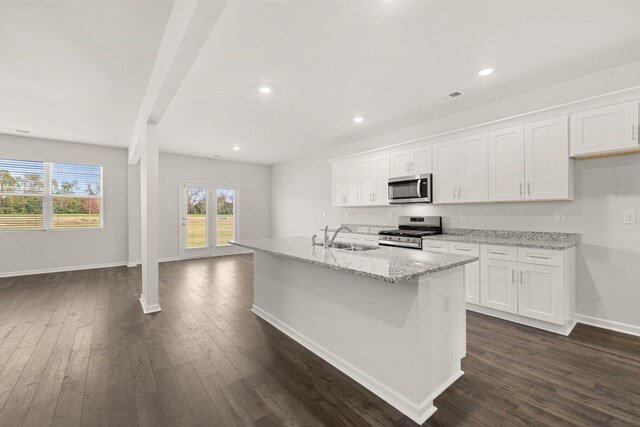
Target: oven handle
[[400, 244]]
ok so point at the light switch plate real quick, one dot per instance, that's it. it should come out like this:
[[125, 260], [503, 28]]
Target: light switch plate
[[629, 217], [561, 217], [346, 215], [324, 214], [463, 216]]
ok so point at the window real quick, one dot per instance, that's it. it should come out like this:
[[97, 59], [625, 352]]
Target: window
[[43, 195], [225, 216], [197, 217]]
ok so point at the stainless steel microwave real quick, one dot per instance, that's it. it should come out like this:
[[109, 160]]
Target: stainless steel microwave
[[410, 189]]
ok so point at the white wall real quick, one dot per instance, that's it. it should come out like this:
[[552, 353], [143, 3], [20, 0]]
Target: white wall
[[24, 251], [608, 258], [254, 195]]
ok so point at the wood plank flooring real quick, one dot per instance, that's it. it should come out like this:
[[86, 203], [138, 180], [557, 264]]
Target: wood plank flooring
[[76, 350]]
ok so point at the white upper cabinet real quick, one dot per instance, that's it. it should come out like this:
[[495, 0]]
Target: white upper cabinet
[[506, 164], [345, 184], [380, 176], [365, 182], [445, 172], [547, 162], [414, 161], [472, 169], [605, 129]]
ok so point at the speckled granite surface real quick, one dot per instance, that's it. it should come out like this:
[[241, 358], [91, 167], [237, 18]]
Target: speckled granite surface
[[524, 239], [371, 229], [391, 265]]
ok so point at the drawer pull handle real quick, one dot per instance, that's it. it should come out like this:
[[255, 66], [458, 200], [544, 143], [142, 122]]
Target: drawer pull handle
[[498, 253], [538, 257], [433, 246], [462, 249]]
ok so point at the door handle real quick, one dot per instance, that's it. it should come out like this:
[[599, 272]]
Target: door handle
[[520, 188], [634, 129], [459, 192], [406, 167], [454, 193], [521, 277], [529, 188], [513, 276]]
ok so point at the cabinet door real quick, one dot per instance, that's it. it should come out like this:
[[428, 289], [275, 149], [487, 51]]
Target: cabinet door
[[399, 163], [498, 286], [546, 147], [541, 293], [339, 185], [472, 169], [352, 184], [380, 184], [610, 128], [421, 161], [365, 182], [445, 172], [471, 271], [506, 164]]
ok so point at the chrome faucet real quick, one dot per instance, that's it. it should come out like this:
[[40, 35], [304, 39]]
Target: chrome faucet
[[327, 241], [313, 239]]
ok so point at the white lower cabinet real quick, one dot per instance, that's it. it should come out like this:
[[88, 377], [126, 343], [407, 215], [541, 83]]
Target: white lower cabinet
[[541, 293], [498, 287], [530, 286]]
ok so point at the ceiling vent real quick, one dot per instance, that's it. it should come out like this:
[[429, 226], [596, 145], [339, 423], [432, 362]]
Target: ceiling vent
[[449, 96]]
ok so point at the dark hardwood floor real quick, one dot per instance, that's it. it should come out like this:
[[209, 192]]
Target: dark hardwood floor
[[75, 349]]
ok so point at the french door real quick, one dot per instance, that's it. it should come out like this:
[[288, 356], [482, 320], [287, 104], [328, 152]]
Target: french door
[[208, 218]]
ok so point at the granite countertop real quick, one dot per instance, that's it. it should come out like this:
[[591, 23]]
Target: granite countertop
[[524, 239], [391, 265]]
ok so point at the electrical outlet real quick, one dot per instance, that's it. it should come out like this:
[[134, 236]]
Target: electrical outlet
[[169, 208], [463, 216], [324, 214], [629, 217], [346, 215], [561, 217]]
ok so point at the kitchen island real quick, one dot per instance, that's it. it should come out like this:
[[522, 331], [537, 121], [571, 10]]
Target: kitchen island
[[391, 319]]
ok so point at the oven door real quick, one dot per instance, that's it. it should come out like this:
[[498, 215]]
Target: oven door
[[410, 189]]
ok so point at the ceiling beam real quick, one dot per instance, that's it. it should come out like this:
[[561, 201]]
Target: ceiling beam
[[188, 28]]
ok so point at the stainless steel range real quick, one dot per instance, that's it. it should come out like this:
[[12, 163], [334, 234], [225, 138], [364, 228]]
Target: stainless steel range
[[411, 230]]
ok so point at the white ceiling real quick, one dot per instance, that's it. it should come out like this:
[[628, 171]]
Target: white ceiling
[[77, 71]]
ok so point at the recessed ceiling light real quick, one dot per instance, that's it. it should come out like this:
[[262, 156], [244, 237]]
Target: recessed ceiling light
[[265, 90], [485, 72], [358, 119], [235, 147]]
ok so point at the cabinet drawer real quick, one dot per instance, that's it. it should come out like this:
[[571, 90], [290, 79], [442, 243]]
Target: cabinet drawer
[[504, 253], [541, 256], [470, 249], [435, 246]]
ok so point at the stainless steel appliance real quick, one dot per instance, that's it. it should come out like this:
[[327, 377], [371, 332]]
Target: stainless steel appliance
[[410, 189], [410, 231]]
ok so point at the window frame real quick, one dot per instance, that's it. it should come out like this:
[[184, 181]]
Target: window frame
[[47, 201]]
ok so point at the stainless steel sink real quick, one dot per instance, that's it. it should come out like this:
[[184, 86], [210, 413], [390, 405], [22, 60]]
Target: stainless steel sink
[[350, 247]]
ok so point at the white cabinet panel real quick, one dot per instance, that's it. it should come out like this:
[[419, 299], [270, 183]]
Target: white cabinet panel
[[421, 162], [413, 161], [445, 172], [435, 246], [506, 164], [547, 159], [472, 169], [541, 256], [352, 184], [339, 184], [471, 271], [381, 180], [541, 293], [498, 285], [502, 253], [604, 129], [399, 163], [365, 182]]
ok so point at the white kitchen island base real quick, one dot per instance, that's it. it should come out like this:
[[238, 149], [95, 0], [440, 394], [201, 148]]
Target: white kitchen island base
[[403, 341]]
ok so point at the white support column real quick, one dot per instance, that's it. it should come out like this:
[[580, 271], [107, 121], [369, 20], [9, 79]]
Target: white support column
[[149, 159], [134, 214]]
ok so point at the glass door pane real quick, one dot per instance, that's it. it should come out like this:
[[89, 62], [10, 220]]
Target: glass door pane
[[225, 216], [197, 229]]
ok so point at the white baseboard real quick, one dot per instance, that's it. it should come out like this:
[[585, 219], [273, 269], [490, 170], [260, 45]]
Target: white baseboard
[[62, 269], [609, 324], [146, 308], [418, 412]]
